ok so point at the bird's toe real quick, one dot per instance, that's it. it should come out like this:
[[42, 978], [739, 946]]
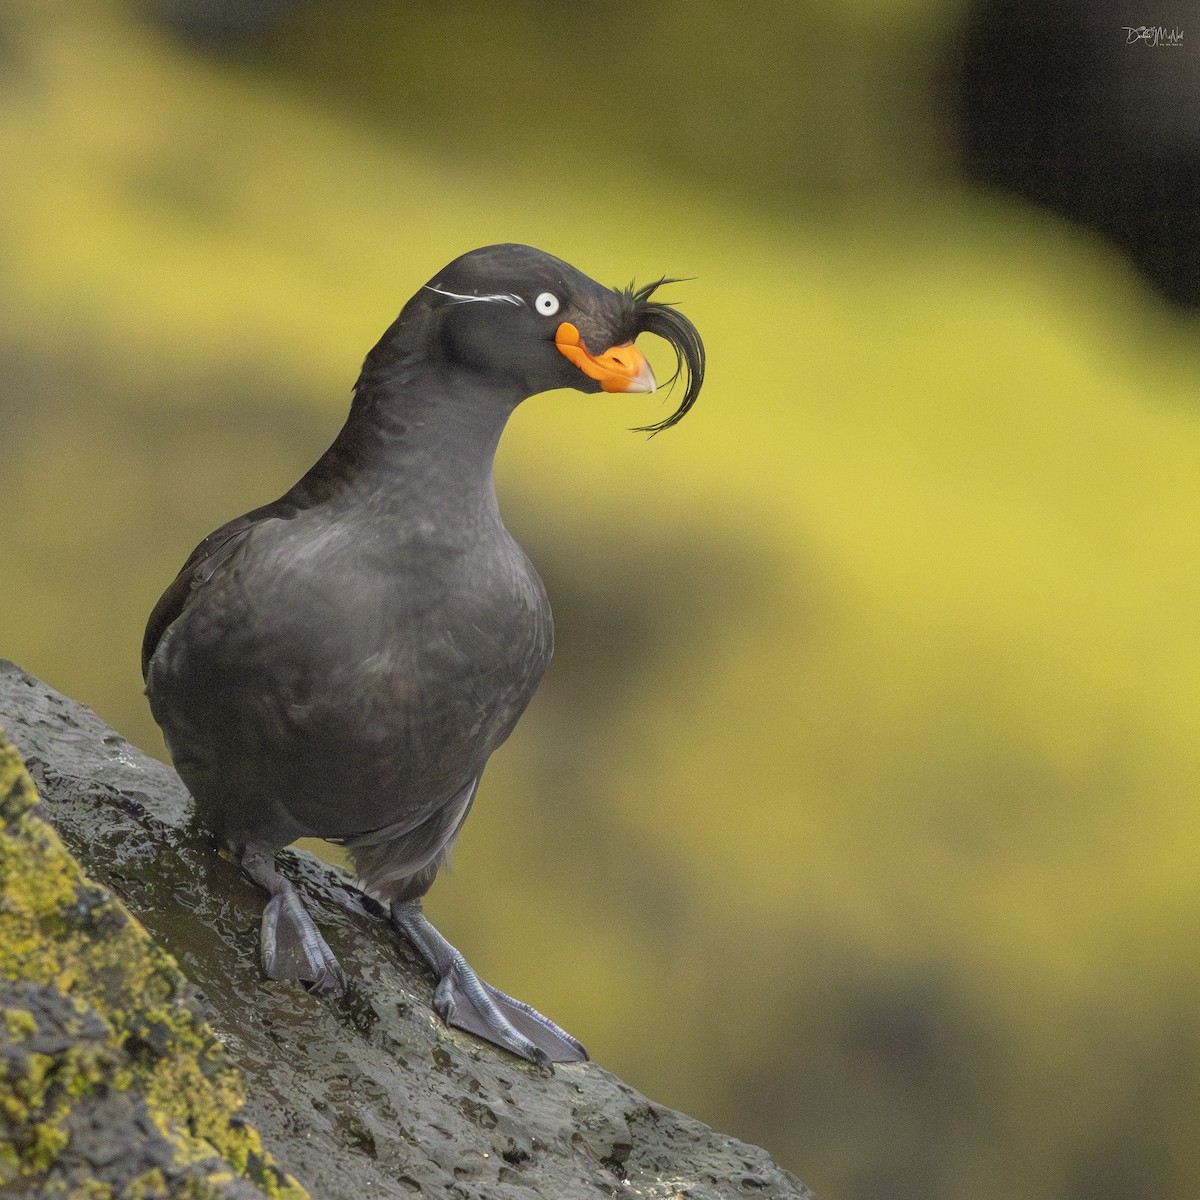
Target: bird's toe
[[454, 1002], [328, 977], [469, 1004], [293, 948]]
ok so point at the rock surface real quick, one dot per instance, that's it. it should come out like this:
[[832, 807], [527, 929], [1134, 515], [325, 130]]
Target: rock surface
[[111, 1083], [365, 1094]]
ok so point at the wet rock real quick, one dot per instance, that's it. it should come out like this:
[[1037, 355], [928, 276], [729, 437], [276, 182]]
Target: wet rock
[[365, 1094]]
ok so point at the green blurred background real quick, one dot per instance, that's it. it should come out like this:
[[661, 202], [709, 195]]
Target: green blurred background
[[858, 813]]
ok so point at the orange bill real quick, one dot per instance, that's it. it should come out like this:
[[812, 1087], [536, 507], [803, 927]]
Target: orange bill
[[618, 369]]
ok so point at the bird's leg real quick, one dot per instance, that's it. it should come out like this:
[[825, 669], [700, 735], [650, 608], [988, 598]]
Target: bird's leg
[[463, 1000], [292, 946]]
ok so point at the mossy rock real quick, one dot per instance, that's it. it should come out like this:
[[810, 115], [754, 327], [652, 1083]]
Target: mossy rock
[[365, 1093], [111, 1085]]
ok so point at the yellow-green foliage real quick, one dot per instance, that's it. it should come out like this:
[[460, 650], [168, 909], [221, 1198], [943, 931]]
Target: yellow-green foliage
[[59, 930], [886, 850]]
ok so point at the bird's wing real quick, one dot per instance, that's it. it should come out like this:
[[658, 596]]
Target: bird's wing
[[202, 564]]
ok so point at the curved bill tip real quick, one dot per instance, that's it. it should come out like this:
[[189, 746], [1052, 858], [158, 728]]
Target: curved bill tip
[[640, 378]]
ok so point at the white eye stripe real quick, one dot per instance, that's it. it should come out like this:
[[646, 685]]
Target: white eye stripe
[[547, 304], [487, 298]]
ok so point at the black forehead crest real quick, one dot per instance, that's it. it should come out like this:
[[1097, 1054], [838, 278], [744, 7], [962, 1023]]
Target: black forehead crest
[[641, 314]]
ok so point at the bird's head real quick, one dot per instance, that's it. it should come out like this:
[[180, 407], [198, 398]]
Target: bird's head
[[529, 322]]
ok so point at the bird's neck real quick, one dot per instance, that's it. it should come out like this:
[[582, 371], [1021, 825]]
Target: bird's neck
[[418, 443]]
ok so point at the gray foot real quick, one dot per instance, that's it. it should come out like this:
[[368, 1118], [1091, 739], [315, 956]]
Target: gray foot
[[463, 1000], [292, 946]]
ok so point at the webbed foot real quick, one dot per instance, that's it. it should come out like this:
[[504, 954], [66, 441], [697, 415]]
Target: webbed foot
[[463, 1000], [292, 946]]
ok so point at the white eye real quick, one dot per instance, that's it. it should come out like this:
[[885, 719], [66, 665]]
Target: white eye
[[546, 304]]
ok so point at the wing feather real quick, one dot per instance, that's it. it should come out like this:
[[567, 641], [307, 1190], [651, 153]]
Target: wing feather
[[202, 564]]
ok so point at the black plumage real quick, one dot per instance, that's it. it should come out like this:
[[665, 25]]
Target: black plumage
[[342, 662]]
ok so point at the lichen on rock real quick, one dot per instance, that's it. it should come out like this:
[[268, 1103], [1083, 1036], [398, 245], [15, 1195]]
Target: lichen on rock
[[110, 1083], [365, 1093]]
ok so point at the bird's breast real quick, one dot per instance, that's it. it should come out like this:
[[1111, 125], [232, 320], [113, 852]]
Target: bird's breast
[[425, 639], [320, 662]]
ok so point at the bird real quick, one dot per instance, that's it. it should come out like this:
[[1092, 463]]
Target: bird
[[342, 662]]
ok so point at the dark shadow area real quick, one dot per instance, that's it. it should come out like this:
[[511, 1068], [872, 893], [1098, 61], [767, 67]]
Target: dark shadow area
[[1092, 111]]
